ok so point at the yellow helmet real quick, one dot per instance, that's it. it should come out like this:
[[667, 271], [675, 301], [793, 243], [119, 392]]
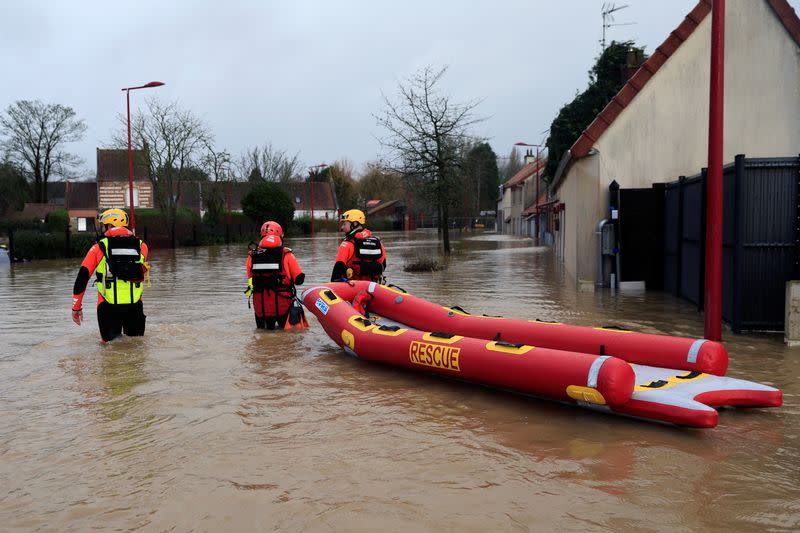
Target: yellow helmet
[[115, 217], [354, 215]]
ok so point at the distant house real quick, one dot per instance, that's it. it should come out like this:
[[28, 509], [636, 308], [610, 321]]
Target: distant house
[[79, 198], [656, 128], [515, 212], [323, 202], [394, 210], [112, 179]]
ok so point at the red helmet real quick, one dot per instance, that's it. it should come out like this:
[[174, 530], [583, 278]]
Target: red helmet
[[270, 241], [271, 228]]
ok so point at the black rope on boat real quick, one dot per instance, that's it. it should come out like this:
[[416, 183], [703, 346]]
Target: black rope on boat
[[509, 344], [401, 289], [457, 308], [656, 384]]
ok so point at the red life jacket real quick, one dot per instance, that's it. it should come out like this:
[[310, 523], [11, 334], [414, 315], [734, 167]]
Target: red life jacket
[[273, 290]]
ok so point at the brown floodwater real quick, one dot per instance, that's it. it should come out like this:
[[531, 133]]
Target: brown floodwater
[[208, 424]]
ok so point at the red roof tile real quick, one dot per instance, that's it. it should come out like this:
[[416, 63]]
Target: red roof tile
[[525, 172], [581, 147], [112, 164]]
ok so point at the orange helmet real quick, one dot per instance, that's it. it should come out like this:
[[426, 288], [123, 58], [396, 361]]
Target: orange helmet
[[271, 227]]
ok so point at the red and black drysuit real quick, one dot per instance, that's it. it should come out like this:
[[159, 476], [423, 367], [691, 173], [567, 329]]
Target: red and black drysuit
[[272, 273], [361, 256]]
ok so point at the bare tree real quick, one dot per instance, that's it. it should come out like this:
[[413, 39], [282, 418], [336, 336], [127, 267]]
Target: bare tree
[[175, 142], [268, 163], [35, 134], [341, 175], [216, 163], [426, 134], [378, 183], [219, 167], [513, 164]]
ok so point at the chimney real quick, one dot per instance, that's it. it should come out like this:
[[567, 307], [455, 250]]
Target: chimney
[[529, 158], [634, 59]]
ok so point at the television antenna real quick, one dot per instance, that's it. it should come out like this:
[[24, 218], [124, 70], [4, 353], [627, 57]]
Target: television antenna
[[608, 11]]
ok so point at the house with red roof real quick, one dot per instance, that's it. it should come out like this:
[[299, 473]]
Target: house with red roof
[[113, 182], [656, 128], [517, 206]]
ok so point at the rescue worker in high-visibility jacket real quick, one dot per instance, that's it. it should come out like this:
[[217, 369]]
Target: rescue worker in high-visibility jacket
[[119, 260], [361, 255], [272, 273]]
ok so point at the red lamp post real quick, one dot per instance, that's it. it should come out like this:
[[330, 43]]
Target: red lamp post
[[538, 175], [713, 275], [313, 171], [130, 153]]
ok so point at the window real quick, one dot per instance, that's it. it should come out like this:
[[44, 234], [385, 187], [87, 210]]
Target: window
[[135, 197], [81, 224]]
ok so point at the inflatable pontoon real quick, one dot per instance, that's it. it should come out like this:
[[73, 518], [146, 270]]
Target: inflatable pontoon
[[654, 377]]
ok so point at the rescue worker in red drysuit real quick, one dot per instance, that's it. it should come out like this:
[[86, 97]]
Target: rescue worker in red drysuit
[[272, 273], [361, 255], [119, 259]]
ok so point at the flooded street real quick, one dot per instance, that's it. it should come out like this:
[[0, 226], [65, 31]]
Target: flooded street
[[208, 424]]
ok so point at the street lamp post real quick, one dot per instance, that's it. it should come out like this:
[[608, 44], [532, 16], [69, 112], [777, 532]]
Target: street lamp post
[[538, 174], [313, 171], [130, 153]]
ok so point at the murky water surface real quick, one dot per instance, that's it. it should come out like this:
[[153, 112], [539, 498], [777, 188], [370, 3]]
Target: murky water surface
[[208, 424]]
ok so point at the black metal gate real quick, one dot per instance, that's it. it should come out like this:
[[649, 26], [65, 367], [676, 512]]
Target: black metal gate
[[760, 239]]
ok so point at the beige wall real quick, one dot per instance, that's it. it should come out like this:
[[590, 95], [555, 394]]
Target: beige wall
[[663, 133], [116, 194], [584, 200]]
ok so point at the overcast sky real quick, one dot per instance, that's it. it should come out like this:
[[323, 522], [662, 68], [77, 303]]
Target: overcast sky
[[307, 76]]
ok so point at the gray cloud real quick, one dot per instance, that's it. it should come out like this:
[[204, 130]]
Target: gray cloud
[[307, 76]]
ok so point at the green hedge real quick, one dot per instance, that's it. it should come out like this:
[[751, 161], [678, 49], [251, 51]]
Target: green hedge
[[152, 217], [33, 244], [57, 220], [302, 226], [12, 224]]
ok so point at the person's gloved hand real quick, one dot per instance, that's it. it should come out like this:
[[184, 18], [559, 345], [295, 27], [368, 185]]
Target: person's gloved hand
[[77, 316], [248, 291]]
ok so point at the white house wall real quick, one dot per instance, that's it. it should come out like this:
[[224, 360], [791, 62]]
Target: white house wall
[[663, 132]]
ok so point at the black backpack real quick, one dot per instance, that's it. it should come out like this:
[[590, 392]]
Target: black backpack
[[122, 258]]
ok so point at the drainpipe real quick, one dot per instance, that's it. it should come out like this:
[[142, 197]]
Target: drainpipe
[[600, 282]]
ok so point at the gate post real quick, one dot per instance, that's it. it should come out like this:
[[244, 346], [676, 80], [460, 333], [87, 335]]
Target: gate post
[[739, 210]]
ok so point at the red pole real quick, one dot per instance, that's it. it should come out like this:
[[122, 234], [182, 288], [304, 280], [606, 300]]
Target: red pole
[[312, 206], [713, 273], [130, 161], [536, 209]]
